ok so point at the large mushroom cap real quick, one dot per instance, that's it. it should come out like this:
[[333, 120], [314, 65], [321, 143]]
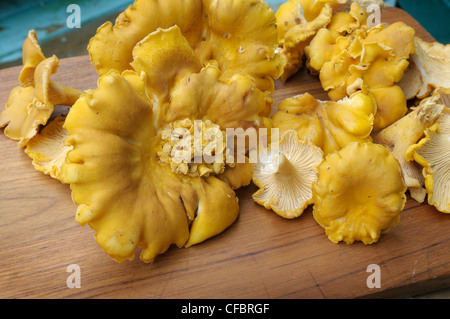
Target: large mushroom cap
[[128, 184], [183, 88], [124, 192], [329, 125]]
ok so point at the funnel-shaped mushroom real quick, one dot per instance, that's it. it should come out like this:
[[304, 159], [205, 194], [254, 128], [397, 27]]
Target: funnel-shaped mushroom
[[127, 187], [359, 193], [31, 104], [285, 176]]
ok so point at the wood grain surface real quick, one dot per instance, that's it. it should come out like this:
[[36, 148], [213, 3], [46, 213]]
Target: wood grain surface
[[260, 256]]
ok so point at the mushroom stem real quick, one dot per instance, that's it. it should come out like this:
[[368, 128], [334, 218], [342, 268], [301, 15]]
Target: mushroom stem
[[61, 94], [284, 166]]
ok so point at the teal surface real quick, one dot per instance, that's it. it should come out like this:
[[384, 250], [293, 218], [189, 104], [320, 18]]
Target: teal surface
[[274, 4], [47, 17], [433, 15]]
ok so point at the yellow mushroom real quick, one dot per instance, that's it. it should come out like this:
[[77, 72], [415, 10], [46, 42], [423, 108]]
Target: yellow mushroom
[[285, 176], [403, 133], [429, 69], [239, 35], [359, 193], [329, 125], [350, 56], [343, 33], [124, 192], [297, 23], [127, 185], [433, 154], [31, 103]]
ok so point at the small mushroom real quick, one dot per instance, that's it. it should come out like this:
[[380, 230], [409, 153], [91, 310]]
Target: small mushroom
[[345, 31], [31, 56], [359, 193], [31, 103], [125, 187], [285, 176]]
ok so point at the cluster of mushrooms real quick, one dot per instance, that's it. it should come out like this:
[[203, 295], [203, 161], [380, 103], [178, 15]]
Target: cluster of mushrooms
[[163, 65]]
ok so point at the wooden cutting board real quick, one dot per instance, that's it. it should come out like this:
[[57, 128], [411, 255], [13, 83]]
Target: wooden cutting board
[[260, 256]]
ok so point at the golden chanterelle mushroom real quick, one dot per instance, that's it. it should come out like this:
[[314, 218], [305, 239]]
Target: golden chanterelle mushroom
[[359, 193], [127, 187], [31, 103], [285, 176]]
